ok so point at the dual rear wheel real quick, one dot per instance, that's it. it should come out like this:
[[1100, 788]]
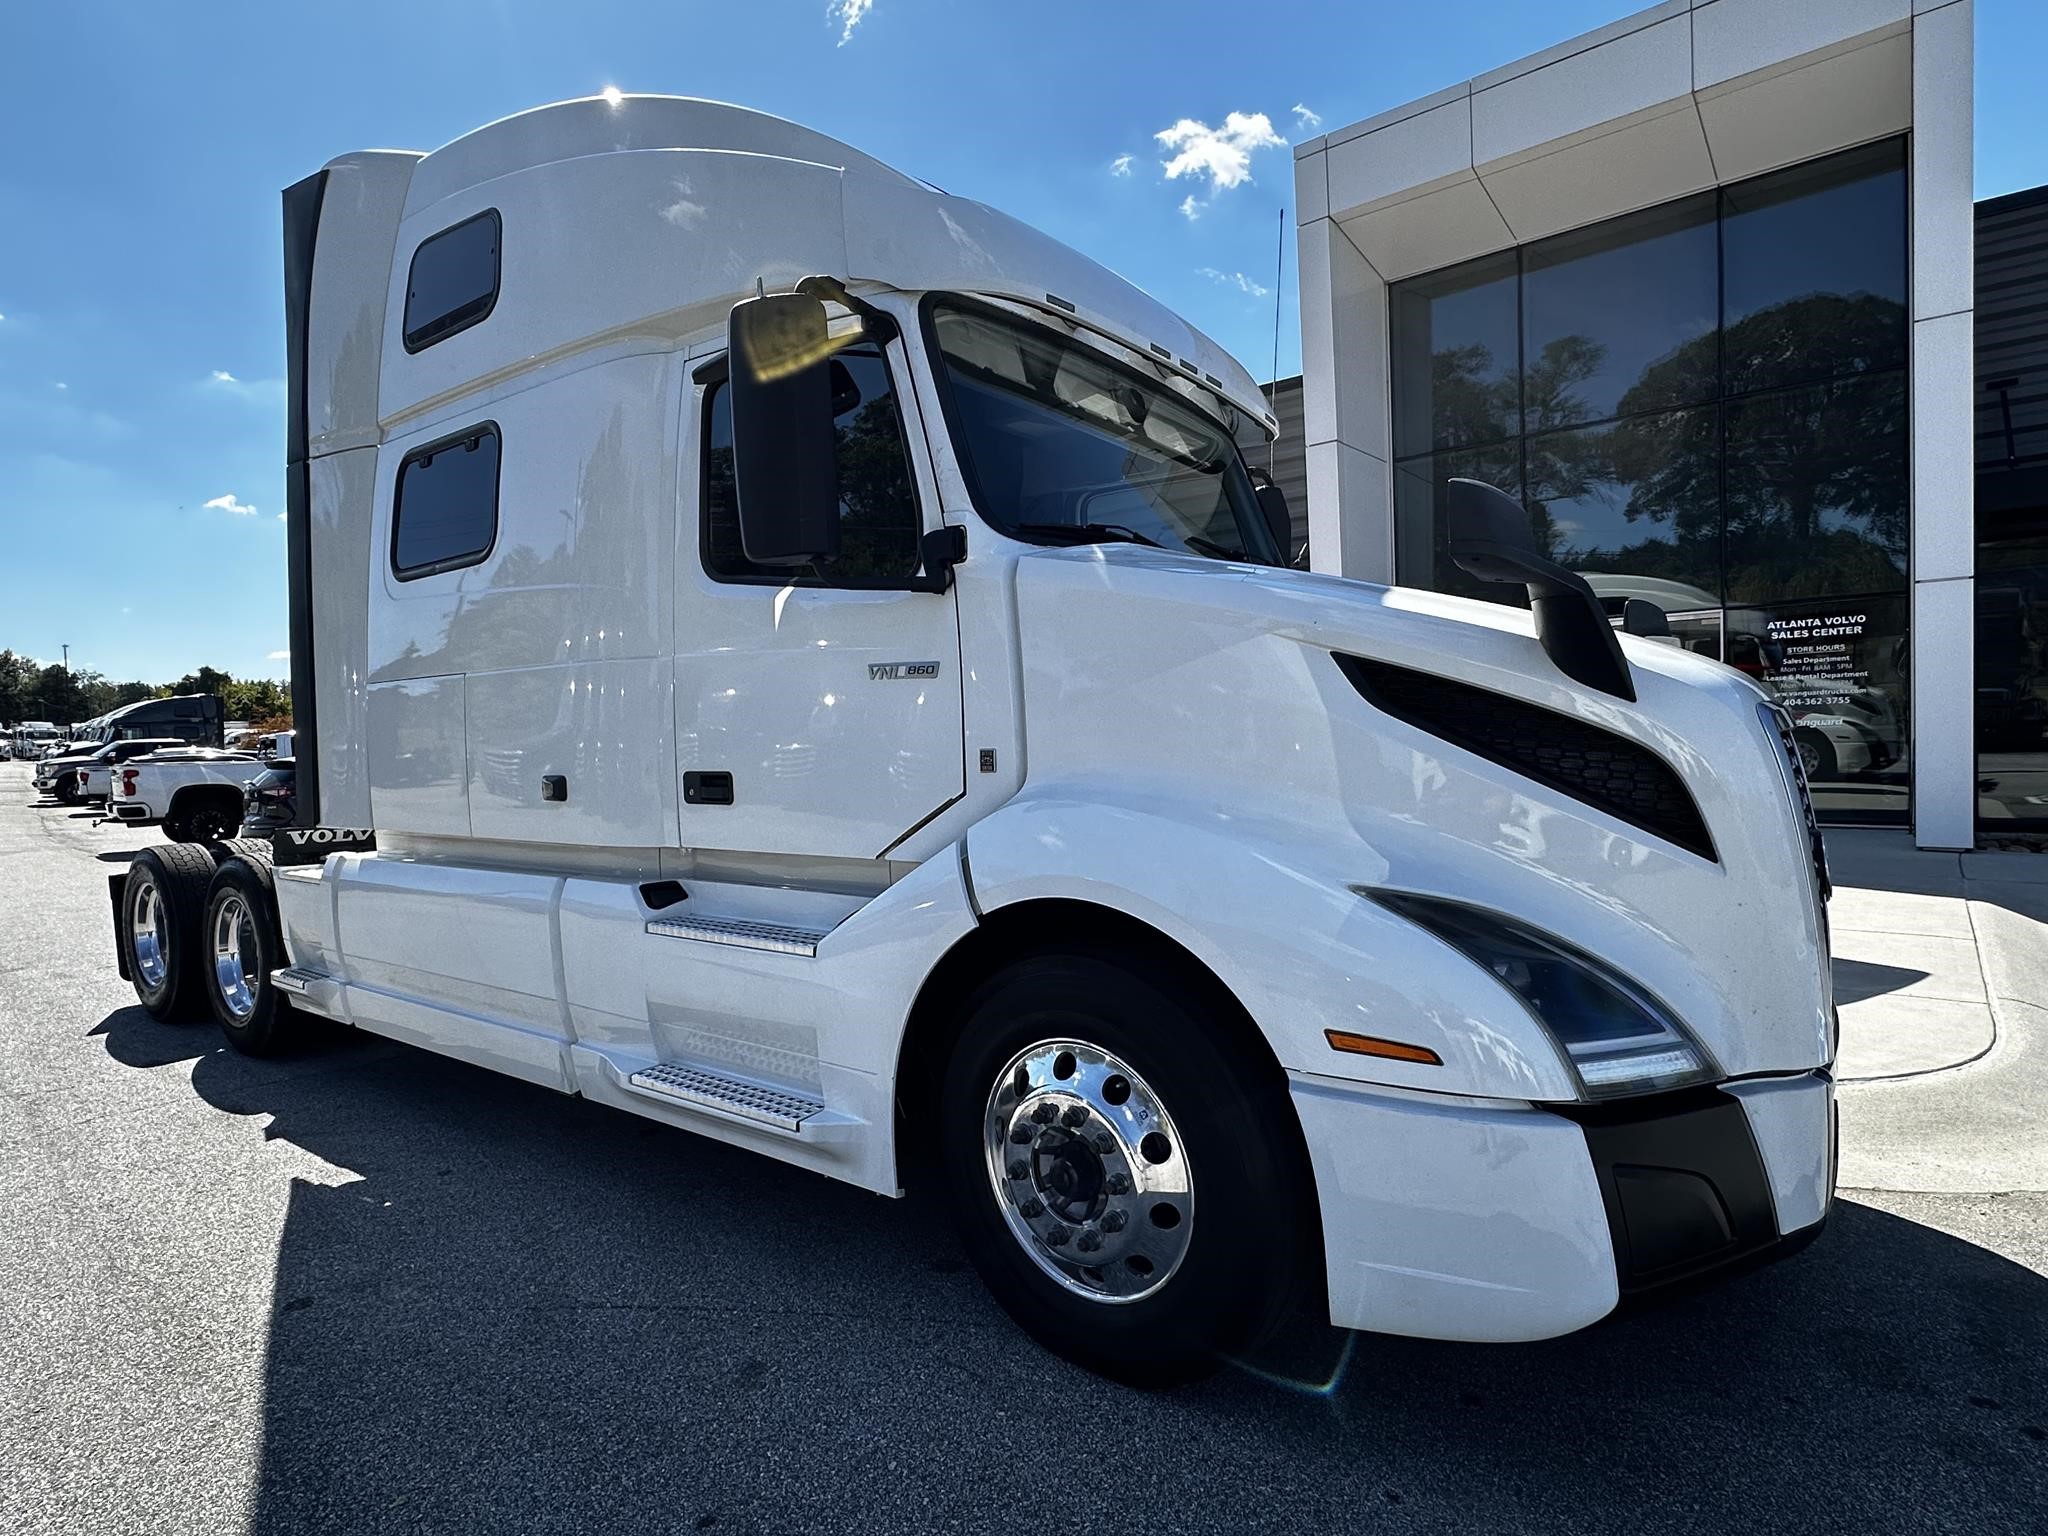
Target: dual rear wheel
[[197, 926]]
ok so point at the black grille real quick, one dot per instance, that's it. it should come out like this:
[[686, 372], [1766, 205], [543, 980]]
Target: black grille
[[1621, 777], [1817, 850]]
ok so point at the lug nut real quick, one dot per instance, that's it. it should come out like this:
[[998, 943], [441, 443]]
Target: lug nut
[[1118, 1183], [1075, 1115], [1018, 1168], [1088, 1242], [1057, 1237], [1105, 1143], [1045, 1114], [1031, 1209], [1021, 1133], [1113, 1221]]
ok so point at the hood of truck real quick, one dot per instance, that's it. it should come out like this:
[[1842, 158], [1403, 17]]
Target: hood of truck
[[1217, 686]]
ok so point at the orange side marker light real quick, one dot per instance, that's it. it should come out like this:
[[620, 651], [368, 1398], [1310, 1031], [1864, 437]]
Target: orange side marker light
[[1373, 1045]]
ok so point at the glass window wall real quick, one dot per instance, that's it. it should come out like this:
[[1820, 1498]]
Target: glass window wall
[[1704, 405]]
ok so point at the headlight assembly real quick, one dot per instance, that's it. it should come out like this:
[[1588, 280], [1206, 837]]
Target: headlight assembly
[[1618, 1039]]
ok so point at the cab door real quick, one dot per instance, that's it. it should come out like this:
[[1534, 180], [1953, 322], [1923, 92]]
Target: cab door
[[811, 718]]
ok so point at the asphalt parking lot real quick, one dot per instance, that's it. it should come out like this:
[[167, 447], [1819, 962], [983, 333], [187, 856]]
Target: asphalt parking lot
[[364, 1288]]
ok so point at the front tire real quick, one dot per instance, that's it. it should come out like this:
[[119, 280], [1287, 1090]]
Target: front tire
[[243, 946], [163, 908], [1122, 1169]]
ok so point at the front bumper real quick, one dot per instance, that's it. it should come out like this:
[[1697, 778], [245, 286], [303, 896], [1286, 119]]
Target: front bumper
[[1497, 1222]]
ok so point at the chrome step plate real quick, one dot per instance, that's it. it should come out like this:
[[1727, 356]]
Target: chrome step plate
[[777, 938], [297, 979], [773, 1107]]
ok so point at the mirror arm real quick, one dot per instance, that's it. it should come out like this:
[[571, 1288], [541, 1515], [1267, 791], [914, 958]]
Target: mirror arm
[[939, 551], [874, 322]]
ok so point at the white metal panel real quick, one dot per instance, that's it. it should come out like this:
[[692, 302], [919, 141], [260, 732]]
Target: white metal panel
[[417, 756], [1944, 217], [343, 492], [682, 233], [359, 212], [1227, 713], [305, 910], [602, 726], [479, 942], [1420, 234], [1792, 1120], [1739, 37], [1447, 1221], [1311, 187], [1637, 71], [1944, 631], [1943, 468], [571, 130], [1651, 160], [1350, 513], [1794, 113], [1398, 161]]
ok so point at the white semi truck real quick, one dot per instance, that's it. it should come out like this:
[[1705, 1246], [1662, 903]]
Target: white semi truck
[[796, 655]]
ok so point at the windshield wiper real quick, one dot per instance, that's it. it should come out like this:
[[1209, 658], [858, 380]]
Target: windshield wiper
[[1082, 533]]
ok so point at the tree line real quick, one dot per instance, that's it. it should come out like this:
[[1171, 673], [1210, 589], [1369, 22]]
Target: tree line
[[67, 696]]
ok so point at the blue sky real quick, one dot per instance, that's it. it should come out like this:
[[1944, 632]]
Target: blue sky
[[141, 349]]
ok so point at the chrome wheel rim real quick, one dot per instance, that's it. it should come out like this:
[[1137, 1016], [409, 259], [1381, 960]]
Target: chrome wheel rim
[[145, 928], [1088, 1171], [235, 957], [1809, 759]]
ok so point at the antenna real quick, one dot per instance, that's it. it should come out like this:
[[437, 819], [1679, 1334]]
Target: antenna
[[1279, 261]]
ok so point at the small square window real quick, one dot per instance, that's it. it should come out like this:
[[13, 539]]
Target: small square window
[[445, 508], [453, 283]]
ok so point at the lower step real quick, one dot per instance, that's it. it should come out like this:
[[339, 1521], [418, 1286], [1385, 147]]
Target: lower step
[[772, 1107], [297, 979], [740, 933]]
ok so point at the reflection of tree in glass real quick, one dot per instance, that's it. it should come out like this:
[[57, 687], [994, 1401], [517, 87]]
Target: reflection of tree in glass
[[1468, 402], [1814, 487], [877, 510]]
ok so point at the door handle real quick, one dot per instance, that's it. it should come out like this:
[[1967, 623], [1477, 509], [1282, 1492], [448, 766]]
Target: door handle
[[709, 788]]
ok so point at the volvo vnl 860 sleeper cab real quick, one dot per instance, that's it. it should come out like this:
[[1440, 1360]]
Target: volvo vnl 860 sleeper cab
[[799, 656]]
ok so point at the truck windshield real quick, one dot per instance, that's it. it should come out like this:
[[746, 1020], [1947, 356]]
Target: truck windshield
[[1063, 445]]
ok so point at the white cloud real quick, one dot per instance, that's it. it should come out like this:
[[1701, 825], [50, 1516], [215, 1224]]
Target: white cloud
[[230, 503], [1306, 118], [279, 656], [683, 212], [280, 517], [2, 317], [1191, 207], [62, 385], [1121, 165], [1238, 279], [1223, 155], [850, 14], [222, 376]]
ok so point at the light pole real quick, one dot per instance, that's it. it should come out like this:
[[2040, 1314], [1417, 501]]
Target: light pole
[[67, 658]]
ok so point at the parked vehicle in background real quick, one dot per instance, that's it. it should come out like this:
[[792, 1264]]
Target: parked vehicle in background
[[196, 792], [927, 765], [54, 773], [193, 718], [269, 803], [32, 738], [92, 779]]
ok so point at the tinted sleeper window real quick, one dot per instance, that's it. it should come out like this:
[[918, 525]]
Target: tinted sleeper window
[[446, 512], [454, 281]]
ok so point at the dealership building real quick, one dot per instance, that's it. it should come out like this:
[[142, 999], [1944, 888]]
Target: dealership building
[[1707, 289]]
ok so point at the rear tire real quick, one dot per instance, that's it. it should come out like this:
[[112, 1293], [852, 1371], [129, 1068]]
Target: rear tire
[[1172, 1293], [66, 790], [208, 822], [1816, 755], [163, 908], [243, 945]]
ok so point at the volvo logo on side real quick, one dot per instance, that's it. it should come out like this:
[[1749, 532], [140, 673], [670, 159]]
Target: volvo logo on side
[[901, 671]]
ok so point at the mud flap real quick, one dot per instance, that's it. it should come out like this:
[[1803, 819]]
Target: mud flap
[[117, 886]]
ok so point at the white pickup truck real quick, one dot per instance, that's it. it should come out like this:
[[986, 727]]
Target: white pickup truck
[[196, 792]]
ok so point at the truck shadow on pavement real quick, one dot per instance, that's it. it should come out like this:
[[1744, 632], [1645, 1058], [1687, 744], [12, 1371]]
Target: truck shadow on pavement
[[519, 1311]]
